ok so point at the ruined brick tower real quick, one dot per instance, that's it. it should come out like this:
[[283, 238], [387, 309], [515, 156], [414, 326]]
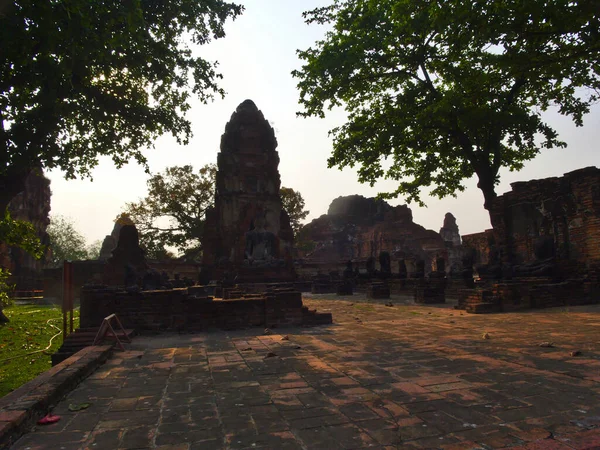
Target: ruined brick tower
[[248, 233]]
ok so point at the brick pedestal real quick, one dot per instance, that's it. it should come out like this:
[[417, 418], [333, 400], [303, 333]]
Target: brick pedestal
[[478, 301], [378, 290], [344, 289], [323, 288]]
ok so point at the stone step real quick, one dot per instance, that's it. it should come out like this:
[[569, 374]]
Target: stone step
[[80, 339], [484, 308]]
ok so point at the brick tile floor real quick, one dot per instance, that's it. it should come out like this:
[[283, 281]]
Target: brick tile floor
[[380, 377]]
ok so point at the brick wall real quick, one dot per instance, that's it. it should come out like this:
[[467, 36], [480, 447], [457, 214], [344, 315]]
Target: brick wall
[[480, 243], [566, 209], [176, 310]]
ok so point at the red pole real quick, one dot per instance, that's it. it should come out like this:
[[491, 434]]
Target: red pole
[[71, 299], [64, 299]]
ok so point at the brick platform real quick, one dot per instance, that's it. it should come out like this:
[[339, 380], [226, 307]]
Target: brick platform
[[526, 294], [344, 289], [431, 291], [323, 288], [23, 407], [478, 301], [378, 290], [177, 311], [382, 378]]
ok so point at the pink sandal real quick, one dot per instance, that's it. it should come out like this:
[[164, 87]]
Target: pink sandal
[[48, 419]]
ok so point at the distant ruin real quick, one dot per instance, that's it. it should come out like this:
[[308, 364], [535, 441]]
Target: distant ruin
[[356, 229], [31, 205], [110, 241]]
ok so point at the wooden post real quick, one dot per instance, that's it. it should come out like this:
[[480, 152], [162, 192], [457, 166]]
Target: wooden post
[[67, 300], [71, 296]]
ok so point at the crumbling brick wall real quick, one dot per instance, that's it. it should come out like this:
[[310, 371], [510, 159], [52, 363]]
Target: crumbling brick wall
[[565, 209], [480, 242]]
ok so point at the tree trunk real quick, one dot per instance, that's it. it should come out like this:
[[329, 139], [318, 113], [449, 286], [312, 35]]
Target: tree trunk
[[487, 185]]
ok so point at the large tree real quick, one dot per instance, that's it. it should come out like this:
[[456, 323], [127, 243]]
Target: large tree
[[173, 212], [293, 203], [448, 89], [81, 79]]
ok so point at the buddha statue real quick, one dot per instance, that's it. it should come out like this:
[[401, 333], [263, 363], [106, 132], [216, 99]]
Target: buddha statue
[[261, 245]]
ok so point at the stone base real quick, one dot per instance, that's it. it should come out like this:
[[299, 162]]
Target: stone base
[[378, 291], [431, 291], [176, 310], [264, 274], [323, 288], [429, 295], [520, 295], [344, 289], [478, 301], [232, 292]]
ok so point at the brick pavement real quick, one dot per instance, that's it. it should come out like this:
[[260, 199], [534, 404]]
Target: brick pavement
[[380, 377]]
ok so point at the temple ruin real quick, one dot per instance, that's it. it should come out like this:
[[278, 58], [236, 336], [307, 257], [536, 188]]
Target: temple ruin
[[31, 205], [247, 277], [360, 229], [544, 248], [248, 236]]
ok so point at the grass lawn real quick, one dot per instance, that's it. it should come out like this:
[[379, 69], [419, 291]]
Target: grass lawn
[[28, 331]]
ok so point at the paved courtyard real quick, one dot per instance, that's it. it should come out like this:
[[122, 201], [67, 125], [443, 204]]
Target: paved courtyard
[[380, 377]]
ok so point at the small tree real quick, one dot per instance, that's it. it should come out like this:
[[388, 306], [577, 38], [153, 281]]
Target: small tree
[[66, 243], [173, 212], [5, 289], [448, 89], [17, 233], [293, 202], [93, 250]]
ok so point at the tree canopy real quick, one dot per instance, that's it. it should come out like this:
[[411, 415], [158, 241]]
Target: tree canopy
[[81, 79], [67, 243], [293, 202], [173, 212], [442, 90], [22, 234]]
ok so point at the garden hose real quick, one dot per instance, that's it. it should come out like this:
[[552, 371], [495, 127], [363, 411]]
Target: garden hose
[[37, 351]]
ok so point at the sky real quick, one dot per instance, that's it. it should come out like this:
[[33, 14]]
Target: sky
[[256, 59]]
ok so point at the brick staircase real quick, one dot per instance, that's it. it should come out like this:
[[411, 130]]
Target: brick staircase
[[310, 317]]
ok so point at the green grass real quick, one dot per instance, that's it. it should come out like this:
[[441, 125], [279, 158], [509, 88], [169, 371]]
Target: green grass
[[364, 307], [28, 331]]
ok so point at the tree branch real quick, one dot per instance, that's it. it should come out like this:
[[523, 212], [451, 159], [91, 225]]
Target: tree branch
[[428, 81], [392, 72]]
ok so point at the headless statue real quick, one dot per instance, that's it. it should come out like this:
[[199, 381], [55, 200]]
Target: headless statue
[[260, 245]]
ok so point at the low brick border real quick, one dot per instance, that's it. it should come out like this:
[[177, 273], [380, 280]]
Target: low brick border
[[23, 407]]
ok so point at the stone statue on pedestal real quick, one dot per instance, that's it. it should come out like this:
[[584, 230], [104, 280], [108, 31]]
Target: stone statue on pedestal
[[260, 245]]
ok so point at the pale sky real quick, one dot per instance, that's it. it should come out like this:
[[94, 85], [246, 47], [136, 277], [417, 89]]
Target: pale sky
[[256, 59]]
